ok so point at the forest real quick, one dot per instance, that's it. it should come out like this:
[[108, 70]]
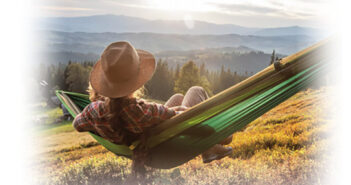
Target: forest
[[74, 77]]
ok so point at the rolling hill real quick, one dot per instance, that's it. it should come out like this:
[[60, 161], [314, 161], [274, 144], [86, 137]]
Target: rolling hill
[[83, 42]]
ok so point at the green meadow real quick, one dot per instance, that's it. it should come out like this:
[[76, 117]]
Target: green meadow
[[290, 144]]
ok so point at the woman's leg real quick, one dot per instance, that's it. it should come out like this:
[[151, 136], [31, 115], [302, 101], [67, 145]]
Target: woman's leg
[[194, 95], [175, 100]]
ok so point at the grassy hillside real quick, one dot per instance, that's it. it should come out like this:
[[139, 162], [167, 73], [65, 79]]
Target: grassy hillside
[[287, 145]]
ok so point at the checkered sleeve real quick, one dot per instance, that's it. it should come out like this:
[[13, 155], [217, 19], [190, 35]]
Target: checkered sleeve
[[83, 121], [145, 115]]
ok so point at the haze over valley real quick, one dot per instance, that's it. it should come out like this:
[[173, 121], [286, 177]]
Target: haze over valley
[[242, 49]]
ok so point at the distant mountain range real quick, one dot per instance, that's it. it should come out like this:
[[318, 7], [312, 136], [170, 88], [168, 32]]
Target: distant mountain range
[[238, 48], [82, 42], [123, 24], [238, 59]]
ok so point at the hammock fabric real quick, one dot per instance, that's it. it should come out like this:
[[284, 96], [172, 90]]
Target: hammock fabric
[[171, 144]]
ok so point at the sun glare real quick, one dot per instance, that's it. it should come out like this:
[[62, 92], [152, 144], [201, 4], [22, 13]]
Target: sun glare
[[181, 5]]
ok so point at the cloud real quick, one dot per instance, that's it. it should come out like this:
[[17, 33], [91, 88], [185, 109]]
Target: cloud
[[244, 8], [63, 8], [268, 9], [131, 4], [253, 13]]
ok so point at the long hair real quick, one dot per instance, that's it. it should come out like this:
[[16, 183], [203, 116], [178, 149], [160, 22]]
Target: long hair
[[114, 106], [94, 96]]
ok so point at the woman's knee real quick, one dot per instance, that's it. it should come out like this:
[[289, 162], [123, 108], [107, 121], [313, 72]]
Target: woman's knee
[[175, 100], [197, 89], [178, 96], [195, 95]]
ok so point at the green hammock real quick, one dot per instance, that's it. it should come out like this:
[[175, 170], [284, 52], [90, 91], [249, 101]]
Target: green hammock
[[171, 144]]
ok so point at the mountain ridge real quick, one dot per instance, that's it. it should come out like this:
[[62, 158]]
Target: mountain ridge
[[95, 42], [124, 24]]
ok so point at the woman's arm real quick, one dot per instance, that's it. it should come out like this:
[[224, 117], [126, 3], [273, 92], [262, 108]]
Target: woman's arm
[[84, 121]]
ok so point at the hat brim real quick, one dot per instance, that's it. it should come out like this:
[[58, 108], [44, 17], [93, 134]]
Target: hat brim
[[104, 87]]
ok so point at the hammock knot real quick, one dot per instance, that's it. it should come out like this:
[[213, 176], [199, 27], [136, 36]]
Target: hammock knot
[[277, 65]]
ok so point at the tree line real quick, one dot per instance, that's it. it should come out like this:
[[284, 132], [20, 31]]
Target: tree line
[[167, 81], [74, 76]]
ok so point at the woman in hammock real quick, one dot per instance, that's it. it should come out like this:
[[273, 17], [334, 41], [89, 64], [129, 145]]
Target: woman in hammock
[[118, 114]]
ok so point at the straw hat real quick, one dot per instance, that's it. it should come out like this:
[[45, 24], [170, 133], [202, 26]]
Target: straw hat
[[121, 70]]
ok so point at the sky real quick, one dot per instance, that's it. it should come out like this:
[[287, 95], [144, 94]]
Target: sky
[[249, 13]]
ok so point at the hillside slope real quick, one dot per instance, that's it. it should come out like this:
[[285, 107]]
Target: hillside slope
[[287, 145]]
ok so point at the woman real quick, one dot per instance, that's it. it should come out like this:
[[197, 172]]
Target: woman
[[117, 113]]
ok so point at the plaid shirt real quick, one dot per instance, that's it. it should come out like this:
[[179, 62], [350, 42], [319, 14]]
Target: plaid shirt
[[136, 115]]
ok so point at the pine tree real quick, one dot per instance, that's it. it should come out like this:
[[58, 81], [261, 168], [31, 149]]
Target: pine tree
[[202, 69], [161, 84], [77, 78], [190, 76], [177, 72], [65, 75], [59, 81], [273, 57]]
